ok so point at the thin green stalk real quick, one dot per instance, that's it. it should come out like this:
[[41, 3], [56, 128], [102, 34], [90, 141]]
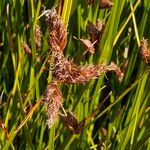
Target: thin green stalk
[[66, 11], [51, 138]]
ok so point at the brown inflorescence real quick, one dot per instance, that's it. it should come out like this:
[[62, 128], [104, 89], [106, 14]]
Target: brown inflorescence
[[95, 31], [71, 122], [145, 52], [53, 101], [38, 37], [89, 2], [105, 4], [102, 3], [57, 30], [67, 72], [27, 49]]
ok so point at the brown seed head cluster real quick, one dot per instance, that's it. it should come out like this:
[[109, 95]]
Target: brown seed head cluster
[[65, 71]]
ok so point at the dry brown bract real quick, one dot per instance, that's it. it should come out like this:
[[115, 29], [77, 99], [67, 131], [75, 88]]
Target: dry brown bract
[[145, 52], [88, 45]]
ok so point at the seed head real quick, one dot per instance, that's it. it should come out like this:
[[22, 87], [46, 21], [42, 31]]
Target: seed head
[[53, 101], [67, 71], [27, 49], [71, 122], [145, 52], [57, 31], [95, 31], [38, 37], [105, 4]]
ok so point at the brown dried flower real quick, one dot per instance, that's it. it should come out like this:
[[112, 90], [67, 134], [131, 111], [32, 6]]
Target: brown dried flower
[[145, 52], [95, 31], [53, 101], [71, 122], [27, 49], [38, 37], [66, 71], [89, 2], [58, 32], [105, 4]]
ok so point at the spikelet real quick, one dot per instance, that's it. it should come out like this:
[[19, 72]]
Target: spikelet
[[102, 3], [58, 32], [27, 49], [105, 4], [67, 72], [71, 122], [89, 2], [95, 31], [53, 101], [145, 52], [38, 37]]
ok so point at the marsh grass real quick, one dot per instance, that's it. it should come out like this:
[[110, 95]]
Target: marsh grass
[[116, 112]]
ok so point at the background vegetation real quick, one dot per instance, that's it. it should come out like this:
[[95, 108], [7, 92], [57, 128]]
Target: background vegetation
[[117, 113]]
